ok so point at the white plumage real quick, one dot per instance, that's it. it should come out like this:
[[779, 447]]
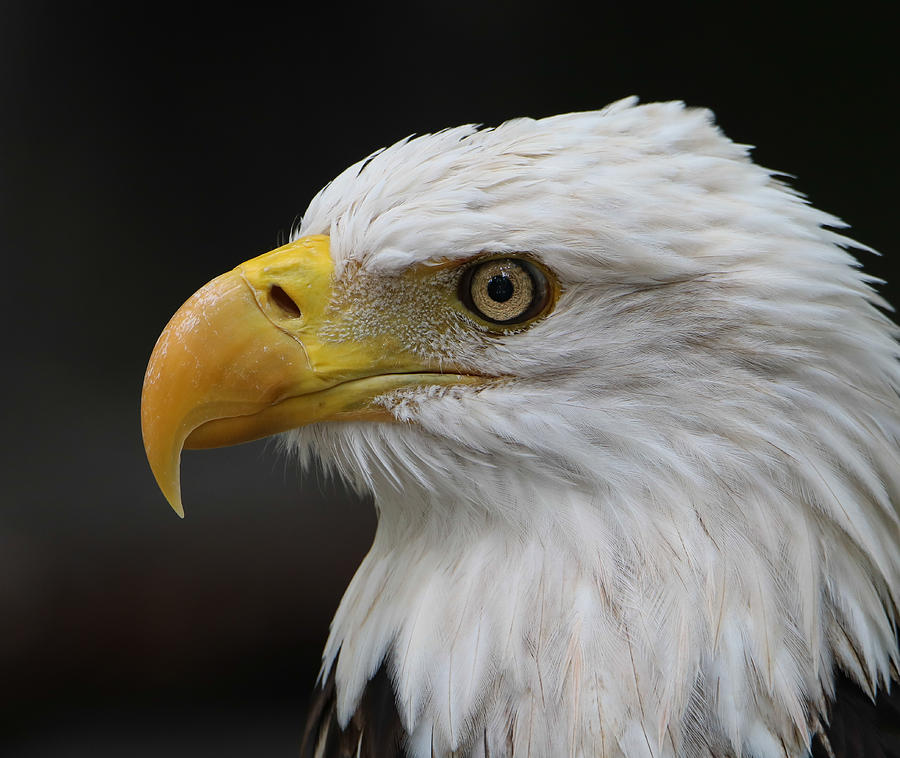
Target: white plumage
[[662, 532]]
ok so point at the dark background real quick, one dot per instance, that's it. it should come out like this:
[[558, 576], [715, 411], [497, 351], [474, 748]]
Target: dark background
[[145, 149]]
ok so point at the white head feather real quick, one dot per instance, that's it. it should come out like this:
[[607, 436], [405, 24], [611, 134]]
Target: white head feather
[[661, 535]]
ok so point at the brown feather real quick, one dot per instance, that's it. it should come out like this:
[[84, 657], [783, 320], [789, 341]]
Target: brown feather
[[374, 730], [859, 728]]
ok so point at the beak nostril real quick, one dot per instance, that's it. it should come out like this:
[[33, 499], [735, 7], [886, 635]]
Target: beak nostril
[[284, 301]]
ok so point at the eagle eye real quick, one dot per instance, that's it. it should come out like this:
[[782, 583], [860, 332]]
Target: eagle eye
[[504, 291]]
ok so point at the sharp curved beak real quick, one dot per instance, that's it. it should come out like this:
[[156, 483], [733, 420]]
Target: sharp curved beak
[[244, 358]]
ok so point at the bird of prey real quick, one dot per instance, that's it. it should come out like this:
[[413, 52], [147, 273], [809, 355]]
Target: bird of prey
[[629, 412]]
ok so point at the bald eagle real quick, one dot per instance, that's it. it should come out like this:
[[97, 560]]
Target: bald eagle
[[629, 413]]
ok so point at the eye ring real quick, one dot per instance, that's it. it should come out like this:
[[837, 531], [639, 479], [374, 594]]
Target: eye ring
[[504, 291]]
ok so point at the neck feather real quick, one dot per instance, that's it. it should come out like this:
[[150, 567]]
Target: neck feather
[[613, 626]]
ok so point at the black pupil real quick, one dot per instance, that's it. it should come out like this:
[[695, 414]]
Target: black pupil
[[500, 288]]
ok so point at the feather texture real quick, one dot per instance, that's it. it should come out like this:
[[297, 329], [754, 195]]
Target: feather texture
[[857, 727], [675, 518]]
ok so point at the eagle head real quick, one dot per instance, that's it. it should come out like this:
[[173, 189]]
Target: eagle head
[[628, 409]]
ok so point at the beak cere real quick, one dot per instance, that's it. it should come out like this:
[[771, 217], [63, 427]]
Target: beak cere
[[243, 359]]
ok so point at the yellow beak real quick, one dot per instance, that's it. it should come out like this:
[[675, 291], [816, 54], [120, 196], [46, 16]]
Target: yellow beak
[[244, 358]]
